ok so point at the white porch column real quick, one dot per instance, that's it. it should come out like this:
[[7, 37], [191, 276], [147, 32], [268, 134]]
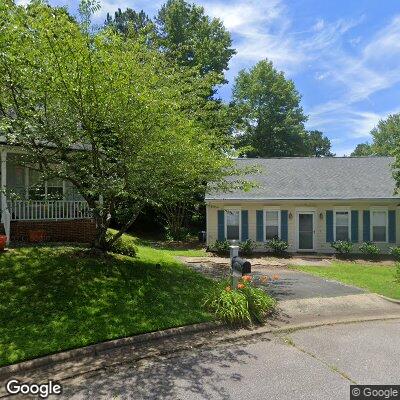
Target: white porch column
[[5, 214], [3, 183]]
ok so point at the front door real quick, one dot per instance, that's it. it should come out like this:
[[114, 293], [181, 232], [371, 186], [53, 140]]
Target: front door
[[305, 226]]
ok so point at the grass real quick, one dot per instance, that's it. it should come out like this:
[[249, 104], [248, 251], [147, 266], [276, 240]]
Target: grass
[[58, 298], [374, 278]]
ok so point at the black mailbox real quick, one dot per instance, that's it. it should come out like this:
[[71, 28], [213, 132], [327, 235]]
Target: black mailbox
[[241, 266]]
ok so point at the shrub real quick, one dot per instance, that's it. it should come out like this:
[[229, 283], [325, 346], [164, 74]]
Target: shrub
[[342, 246], [125, 245], [395, 252], [247, 247], [277, 245], [180, 234], [221, 247], [240, 306], [370, 249], [397, 273]]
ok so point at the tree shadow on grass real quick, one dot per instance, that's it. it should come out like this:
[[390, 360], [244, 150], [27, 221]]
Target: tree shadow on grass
[[54, 299]]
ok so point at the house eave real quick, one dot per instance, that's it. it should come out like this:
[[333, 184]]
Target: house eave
[[322, 199]]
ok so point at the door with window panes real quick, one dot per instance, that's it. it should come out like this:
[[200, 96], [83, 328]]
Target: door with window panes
[[305, 231]]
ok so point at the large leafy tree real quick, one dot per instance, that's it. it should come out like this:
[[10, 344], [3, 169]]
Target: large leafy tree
[[386, 135], [184, 33], [190, 37], [103, 112], [318, 145], [273, 120], [129, 21], [385, 138], [362, 150]]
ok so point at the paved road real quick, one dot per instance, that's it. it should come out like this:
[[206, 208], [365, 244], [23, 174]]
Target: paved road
[[299, 285], [317, 363]]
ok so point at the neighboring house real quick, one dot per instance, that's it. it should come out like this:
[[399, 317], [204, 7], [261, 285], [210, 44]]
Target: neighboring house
[[310, 202], [53, 211]]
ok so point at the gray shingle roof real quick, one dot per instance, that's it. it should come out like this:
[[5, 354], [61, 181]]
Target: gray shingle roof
[[317, 178]]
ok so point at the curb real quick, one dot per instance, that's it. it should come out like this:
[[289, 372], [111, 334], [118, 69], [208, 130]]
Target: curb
[[95, 349], [388, 298], [230, 336]]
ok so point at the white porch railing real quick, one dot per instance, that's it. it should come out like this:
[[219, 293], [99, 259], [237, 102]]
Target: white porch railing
[[33, 210]]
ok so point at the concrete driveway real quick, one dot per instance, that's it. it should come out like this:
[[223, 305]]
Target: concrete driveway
[[317, 363], [291, 284]]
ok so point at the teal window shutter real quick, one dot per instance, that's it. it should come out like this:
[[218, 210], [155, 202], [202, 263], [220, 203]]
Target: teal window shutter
[[284, 225], [260, 225], [354, 226], [392, 226], [329, 226], [245, 225], [366, 226], [221, 225]]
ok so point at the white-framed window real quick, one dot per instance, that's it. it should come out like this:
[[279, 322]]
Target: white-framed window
[[342, 219], [272, 224], [379, 225], [40, 190], [232, 224]]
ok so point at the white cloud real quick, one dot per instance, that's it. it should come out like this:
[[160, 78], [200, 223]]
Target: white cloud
[[386, 42], [356, 78], [260, 29], [319, 25]]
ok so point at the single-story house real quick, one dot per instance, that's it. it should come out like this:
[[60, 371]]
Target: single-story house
[[310, 202], [30, 210]]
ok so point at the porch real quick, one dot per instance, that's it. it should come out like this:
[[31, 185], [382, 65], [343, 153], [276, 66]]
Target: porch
[[24, 198]]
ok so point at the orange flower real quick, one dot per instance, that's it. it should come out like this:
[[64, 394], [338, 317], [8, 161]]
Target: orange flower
[[240, 286], [228, 288], [246, 278], [264, 279], [275, 277]]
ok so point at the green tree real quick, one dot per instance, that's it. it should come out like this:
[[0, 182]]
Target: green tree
[[317, 144], [385, 138], [191, 38], [386, 135], [272, 118], [362, 150], [106, 113], [129, 21]]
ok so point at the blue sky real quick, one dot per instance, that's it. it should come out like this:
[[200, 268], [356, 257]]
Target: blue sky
[[343, 55]]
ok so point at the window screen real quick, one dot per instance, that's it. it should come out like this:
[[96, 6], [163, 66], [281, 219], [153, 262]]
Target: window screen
[[271, 224], [342, 225], [379, 223], [232, 225]]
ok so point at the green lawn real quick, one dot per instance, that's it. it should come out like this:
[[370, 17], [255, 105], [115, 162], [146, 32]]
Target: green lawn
[[58, 298], [374, 278]]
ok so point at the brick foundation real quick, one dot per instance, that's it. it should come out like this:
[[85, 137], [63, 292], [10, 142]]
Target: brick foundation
[[82, 231]]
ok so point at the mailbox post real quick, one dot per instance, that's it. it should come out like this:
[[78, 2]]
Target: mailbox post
[[233, 252], [239, 266]]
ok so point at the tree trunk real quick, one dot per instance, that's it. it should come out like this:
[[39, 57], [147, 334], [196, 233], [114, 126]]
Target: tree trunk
[[124, 228], [174, 216], [102, 222]]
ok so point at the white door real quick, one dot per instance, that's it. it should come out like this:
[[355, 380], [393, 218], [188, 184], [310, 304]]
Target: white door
[[305, 230]]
